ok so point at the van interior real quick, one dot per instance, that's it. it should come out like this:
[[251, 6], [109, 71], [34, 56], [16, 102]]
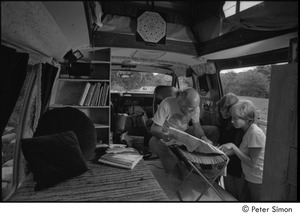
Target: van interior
[[54, 51]]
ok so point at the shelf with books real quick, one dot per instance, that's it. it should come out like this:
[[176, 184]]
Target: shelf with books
[[82, 93], [86, 86]]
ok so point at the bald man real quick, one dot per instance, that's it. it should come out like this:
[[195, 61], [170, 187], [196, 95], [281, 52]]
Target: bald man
[[177, 112]]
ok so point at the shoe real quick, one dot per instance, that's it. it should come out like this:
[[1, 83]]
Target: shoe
[[147, 155]]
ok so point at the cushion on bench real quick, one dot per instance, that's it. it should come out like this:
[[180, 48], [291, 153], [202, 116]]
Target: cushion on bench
[[68, 118], [53, 158]]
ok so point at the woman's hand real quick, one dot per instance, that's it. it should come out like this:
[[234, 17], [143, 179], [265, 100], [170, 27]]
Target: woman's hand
[[226, 147]]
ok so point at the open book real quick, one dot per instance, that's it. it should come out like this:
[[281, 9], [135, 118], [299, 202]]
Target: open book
[[192, 143], [125, 159]]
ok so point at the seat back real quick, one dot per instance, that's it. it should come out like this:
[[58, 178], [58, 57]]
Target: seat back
[[160, 93]]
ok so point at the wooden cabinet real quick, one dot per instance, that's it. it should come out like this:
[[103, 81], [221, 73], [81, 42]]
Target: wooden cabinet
[[280, 166], [68, 90]]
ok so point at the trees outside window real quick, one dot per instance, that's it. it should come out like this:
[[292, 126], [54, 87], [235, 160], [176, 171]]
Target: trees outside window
[[252, 84]]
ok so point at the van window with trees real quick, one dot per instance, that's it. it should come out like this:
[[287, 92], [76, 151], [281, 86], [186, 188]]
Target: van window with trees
[[144, 82], [252, 83], [138, 81]]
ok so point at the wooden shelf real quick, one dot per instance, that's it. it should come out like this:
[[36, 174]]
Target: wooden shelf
[[68, 92], [101, 126]]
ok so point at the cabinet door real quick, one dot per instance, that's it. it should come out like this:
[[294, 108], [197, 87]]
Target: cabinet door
[[280, 166]]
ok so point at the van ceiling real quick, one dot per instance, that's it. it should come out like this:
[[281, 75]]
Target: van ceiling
[[49, 28], [52, 28]]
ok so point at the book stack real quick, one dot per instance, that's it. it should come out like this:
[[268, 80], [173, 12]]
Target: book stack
[[95, 94], [125, 158]]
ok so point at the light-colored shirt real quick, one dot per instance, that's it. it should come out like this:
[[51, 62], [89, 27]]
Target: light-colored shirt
[[254, 138], [169, 114]]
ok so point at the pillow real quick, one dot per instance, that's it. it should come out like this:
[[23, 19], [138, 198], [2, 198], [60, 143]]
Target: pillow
[[53, 158], [59, 120]]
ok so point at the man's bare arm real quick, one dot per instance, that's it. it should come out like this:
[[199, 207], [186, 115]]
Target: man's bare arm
[[158, 131], [198, 132]]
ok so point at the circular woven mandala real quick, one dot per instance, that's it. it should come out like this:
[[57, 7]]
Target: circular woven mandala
[[151, 27]]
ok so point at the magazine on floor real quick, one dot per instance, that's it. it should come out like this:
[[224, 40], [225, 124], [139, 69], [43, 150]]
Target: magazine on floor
[[126, 158]]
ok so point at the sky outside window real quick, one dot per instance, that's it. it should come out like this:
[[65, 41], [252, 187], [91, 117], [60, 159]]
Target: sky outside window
[[229, 7]]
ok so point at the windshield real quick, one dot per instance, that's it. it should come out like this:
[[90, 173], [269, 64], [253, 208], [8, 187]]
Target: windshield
[[139, 82]]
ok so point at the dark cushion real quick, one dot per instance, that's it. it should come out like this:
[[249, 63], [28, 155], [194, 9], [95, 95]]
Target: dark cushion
[[68, 118], [53, 158]]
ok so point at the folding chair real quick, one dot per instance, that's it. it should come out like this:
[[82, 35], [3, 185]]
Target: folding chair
[[219, 162]]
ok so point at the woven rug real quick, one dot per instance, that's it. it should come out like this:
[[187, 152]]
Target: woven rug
[[102, 183]]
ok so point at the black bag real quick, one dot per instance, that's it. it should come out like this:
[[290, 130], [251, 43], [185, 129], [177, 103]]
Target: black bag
[[136, 124]]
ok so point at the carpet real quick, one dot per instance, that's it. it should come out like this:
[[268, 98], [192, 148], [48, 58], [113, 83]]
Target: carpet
[[190, 191]]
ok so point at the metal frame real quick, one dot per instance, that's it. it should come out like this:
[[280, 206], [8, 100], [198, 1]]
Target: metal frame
[[209, 183]]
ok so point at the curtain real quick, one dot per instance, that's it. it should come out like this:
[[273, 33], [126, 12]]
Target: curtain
[[198, 70], [96, 12], [179, 70], [267, 16], [204, 68], [33, 111], [43, 76], [13, 73], [48, 76]]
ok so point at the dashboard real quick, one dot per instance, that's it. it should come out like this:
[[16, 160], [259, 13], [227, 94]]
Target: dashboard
[[122, 101]]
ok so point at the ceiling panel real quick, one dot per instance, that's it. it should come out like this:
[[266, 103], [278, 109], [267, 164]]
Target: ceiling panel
[[70, 17], [30, 25], [121, 54]]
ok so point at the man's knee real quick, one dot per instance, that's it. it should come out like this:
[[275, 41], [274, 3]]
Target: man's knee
[[157, 146], [154, 143]]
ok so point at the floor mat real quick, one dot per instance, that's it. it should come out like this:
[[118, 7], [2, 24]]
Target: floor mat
[[190, 191]]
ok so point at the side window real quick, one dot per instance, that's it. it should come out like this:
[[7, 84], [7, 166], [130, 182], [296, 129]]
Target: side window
[[252, 83]]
